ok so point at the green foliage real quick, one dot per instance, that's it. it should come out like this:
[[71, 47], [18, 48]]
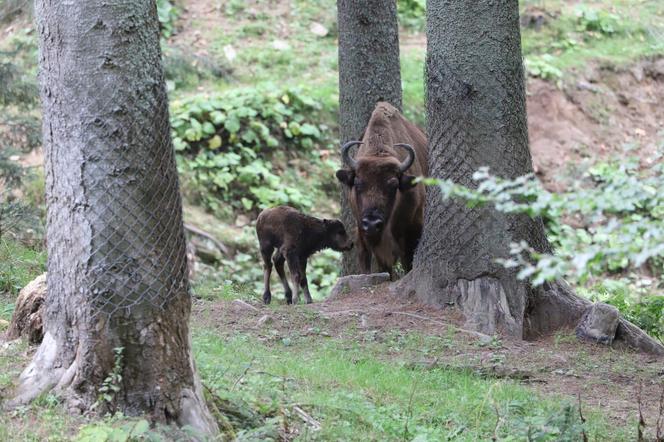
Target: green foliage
[[111, 386], [560, 424], [18, 85], [543, 67], [355, 388], [18, 265], [619, 209], [168, 14], [597, 22], [412, 13], [618, 227], [233, 145], [124, 432]]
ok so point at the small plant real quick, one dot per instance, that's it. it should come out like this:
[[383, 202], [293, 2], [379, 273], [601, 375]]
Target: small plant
[[542, 66], [111, 386], [168, 14], [597, 22], [118, 429], [412, 13]]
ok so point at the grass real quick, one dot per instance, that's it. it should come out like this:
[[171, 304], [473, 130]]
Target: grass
[[358, 395], [18, 265], [633, 33]]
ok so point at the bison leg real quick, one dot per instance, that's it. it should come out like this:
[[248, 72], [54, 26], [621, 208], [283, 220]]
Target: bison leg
[[279, 261], [304, 284], [266, 253], [293, 260], [409, 250]]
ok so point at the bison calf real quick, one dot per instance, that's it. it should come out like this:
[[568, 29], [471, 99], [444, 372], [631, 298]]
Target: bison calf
[[296, 237]]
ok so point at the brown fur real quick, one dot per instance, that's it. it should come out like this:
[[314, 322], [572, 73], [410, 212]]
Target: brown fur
[[377, 186], [296, 237]]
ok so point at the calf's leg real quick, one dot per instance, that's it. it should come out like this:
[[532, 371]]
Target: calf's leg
[[266, 253], [279, 261], [293, 261], [304, 284]]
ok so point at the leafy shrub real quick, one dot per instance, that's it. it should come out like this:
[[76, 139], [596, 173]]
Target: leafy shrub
[[412, 13], [618, 227], [597, 22], [559, 424], [542, 66], [234, 147], [18, 79], [168, 14], [619, 211], [19, 265]]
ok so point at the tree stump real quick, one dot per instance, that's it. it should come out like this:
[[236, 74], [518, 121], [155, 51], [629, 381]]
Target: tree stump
[[27, 318]]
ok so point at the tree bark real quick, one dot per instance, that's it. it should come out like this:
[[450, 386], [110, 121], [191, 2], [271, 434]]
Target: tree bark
[[369, 72], [117, 269], [476, 116]]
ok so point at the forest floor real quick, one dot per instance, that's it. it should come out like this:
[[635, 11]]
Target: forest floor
[[371, 365]]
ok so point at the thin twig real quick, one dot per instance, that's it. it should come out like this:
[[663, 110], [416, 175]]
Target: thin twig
[[498, 420], [660, 418], [244, 373], [642, 423], [409, 413], [413, 315]]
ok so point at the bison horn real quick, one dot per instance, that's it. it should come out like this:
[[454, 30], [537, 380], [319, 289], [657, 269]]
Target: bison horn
[[345, 154], [409, 160]]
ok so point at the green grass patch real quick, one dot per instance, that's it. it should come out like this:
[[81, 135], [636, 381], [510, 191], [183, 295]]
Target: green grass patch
[[19, 265], [357, 395]]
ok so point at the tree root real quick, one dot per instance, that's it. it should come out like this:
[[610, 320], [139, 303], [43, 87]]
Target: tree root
[[518, 310]]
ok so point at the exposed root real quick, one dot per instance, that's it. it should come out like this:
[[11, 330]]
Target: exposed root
[[518, 310], [40, 376]]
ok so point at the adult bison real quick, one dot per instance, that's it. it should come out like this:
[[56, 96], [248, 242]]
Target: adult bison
[[387, 204]]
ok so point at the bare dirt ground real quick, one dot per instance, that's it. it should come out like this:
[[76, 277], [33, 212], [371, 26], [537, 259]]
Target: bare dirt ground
[[605, 378], [595, 115]]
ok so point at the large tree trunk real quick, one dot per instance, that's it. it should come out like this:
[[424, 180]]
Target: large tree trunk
[[117, 269], [369, 72], [476, 117]]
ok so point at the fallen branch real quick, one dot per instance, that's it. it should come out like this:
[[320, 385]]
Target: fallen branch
[[195, 230], [315, 425], [413, 315]]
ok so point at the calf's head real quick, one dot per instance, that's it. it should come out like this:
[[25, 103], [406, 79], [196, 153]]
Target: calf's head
[[337, 238], [374, 182]]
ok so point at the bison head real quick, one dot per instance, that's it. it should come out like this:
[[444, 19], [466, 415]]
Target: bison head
[[374, 182], [336, 236]]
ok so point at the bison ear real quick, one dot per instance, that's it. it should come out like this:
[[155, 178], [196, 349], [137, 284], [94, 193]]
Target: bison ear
[[406, 182], [346, 176]]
